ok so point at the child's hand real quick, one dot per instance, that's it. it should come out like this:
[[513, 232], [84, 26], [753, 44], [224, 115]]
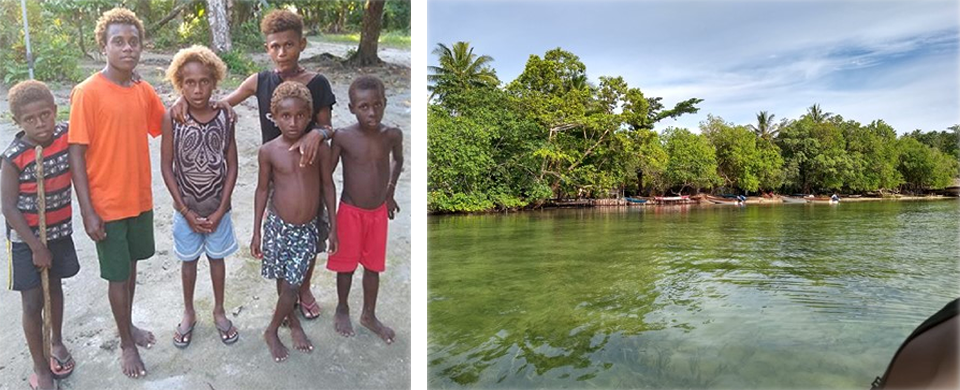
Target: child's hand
[[94, 226], [308, 145], [212, 221], [255, 247], [42, 258], [197, 223], [178, 111], [333, 243], [223, 105], [392, 207]]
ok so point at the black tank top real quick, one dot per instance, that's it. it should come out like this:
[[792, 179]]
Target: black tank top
[[269, 80]]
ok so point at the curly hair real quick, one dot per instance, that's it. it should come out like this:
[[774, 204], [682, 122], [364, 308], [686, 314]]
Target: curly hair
[[367, 83], [281, 20], [28, 92], [195, 53], [116, 16], [290, 89]]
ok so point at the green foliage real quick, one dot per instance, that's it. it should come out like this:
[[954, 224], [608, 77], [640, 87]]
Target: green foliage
[[745, 160], [924, 167], [346, 16], [692, 160], [238, 63], [481, 154], [551, 133], [459, 70], [873, 153], [192, 29], [55, 57]]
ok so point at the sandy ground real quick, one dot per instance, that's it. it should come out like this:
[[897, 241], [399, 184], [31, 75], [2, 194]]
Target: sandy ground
[[363, 361]]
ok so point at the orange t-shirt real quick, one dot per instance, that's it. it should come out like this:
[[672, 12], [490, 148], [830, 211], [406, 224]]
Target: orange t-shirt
[[113, 121]]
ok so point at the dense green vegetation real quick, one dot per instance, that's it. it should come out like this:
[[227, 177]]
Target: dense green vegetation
[[62, 30], [551, 133]]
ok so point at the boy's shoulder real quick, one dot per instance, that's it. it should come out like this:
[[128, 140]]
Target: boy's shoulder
[[273, 145], [97, 83], [18, 146]]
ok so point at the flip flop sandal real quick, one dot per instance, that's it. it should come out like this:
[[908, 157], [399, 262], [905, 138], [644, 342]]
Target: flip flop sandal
[[306, 309], [182, 340], [59, 367], [225, 334]]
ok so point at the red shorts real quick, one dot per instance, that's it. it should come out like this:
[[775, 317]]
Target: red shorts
[[362, 236]]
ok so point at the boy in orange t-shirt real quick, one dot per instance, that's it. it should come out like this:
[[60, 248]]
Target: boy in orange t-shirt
[[111, 114]]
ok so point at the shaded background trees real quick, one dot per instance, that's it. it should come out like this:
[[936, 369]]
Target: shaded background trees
[[62, 30]]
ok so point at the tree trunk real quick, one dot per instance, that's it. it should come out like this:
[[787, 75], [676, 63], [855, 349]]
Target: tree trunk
[[366, 54], [219, 25]]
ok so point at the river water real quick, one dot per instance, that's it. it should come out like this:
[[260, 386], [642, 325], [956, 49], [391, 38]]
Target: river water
[[762, 296]]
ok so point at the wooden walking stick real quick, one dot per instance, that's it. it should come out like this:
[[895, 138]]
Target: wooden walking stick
[[44, 273]]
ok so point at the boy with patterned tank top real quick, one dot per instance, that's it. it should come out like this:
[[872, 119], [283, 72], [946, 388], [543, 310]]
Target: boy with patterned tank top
[[35, 111], [199, 166]]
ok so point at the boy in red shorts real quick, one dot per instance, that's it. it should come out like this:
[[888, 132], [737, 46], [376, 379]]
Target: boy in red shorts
[[366, 202], [111, 115]]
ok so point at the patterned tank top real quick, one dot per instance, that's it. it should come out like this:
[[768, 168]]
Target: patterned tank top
[[200, 161], [56, 184]]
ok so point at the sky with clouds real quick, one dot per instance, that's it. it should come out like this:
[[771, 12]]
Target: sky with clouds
[[866, 60]]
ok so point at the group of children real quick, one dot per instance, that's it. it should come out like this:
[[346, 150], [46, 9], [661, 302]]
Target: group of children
[[104, 153]]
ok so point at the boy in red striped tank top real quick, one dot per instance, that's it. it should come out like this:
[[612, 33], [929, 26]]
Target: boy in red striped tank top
[[35, 112]]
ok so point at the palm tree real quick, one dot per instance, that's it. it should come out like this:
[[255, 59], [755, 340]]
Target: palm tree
[[765, 127], [817, 115], [459, 70]]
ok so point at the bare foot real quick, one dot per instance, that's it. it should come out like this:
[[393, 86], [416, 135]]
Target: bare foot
[[341, 322], [372, 323], [42, 381], [144, 338], [130, 362], [300, 340], [277, 349]]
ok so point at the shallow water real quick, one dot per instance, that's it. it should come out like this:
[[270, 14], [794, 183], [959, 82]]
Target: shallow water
[[763, 296]]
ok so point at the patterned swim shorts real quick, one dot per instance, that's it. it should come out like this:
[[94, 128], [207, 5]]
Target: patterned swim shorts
[[288, 249]]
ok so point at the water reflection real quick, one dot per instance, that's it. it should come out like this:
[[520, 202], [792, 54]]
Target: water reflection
[[684, 297]]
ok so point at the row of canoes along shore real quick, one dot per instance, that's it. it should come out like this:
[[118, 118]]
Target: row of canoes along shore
[[729, 200]]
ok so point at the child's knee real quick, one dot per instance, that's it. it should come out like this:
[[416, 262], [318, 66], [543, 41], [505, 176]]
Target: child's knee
[[189, 265], [289, 290], [32, 301]]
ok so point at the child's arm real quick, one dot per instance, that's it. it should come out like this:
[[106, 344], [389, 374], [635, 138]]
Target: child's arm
[[260, 200], [309, 144], [329, 191], [396, 169], [166, 169], [213, 220], [9, 192], [92, 222]]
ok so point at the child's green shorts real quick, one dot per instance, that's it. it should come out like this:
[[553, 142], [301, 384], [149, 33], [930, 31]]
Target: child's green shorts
[[128, 240]]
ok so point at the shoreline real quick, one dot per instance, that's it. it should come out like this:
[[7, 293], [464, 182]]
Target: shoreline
[[621, 203]]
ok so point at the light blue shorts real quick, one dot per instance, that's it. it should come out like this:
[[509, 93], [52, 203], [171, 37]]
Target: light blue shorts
[[189, 245]]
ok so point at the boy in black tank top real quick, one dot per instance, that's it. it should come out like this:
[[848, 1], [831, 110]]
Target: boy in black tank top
[[283, 33]]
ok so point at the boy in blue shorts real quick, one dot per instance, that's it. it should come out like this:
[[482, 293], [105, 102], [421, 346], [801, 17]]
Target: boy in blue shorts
[[35, 111], [199, 166]]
